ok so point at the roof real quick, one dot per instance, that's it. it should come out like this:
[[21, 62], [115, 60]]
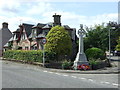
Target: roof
[[66, 27], [11, 39], [28, 28], [40, 36], [50, 23], [47, 26], [18, 30], [40, 25], [6, 45]]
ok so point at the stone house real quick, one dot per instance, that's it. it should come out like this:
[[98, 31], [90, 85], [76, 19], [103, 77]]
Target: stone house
[[29, 37], [5, 35]]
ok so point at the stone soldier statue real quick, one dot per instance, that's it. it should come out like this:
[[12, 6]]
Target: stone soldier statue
[[81, 57]]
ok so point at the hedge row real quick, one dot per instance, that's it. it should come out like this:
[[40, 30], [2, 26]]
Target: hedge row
[[29, 56]]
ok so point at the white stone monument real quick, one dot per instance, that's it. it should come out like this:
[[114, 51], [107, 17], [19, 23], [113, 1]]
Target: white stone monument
[[81, 57]]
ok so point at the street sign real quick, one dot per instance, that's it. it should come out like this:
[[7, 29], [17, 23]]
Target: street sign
[[44, 40]]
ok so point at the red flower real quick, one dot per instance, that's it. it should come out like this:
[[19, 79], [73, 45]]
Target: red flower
[[83, 67]]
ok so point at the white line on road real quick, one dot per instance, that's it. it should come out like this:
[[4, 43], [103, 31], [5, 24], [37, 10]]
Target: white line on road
[[90, 80], [82, 78], [57, 73], [65, 75], [74, 76], [105, 82], [114, 84], [45, 71], [50, 72]]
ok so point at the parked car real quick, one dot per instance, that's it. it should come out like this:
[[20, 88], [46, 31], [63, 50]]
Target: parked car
[[116, 53], [107, 53]]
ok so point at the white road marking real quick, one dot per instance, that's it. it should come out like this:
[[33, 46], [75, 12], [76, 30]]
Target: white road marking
[[90, 80], [74, 76], [82, 78], [65, 75], [45, 71], [114, 84], [50, 72], [58, 73], [107, 82]]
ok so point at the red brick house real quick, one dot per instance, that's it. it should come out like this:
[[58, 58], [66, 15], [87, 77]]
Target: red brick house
[[28, 37]]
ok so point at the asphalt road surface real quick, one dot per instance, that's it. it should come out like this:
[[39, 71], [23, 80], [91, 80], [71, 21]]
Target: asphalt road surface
[[16, 75]]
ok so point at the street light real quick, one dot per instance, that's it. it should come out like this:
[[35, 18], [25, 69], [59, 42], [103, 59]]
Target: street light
[[111, 25]]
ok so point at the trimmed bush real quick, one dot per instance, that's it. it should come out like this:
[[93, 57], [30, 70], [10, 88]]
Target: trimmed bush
[[95, 53], [59, 42], [28, 56]]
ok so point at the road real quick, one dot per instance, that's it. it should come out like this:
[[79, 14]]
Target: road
[[16, 75]]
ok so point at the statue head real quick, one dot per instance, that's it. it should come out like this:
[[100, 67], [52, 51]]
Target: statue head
[[81, 31], [81, 26]]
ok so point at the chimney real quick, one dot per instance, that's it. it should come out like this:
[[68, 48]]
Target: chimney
[[4, 25], [21, 27], [57, 20]]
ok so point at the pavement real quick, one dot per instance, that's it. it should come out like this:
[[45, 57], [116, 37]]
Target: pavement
[[108, 70]]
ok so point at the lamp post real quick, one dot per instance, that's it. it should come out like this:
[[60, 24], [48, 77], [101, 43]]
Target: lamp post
[[110, 26], [109, 43]]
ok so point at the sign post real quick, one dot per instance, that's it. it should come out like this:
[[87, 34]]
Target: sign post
[[44, 42]]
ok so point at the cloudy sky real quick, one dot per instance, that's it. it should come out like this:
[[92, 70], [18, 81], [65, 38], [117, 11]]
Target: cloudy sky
[[72, 13]]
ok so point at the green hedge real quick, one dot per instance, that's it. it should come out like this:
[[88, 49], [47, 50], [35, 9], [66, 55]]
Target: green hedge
[[95, 53], [28, 56]]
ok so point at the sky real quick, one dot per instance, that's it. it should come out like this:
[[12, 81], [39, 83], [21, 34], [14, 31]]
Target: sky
[[73, 12]]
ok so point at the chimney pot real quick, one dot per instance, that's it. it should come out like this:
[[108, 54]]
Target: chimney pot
[[4, 25]]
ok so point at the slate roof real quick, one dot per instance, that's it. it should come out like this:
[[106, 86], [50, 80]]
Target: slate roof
[[66, 27], [28, 28], [47, 26], [40, 25], [6, 45], [11, 39], [18, 30]]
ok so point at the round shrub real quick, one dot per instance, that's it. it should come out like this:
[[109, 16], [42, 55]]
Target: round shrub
[[59, 42], [95, 53]]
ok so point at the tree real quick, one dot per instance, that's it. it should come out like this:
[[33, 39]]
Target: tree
[[99, 37], [58, 41], [118, 45]]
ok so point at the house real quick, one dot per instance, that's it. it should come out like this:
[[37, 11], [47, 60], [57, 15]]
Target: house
[[5, 35], [29, 37]]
